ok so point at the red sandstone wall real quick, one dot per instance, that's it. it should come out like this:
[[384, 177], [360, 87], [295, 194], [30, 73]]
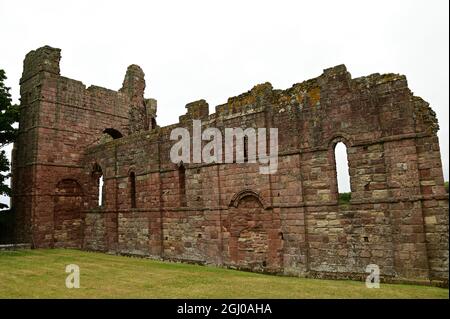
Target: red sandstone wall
[[60, 118], [287, 222]]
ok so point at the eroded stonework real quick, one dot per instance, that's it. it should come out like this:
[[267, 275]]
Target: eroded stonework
[[229, 214]]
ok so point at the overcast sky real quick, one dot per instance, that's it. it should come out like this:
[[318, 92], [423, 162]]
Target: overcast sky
[[205, 49]]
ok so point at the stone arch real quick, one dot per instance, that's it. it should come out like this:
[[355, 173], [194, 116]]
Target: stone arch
[[96, 168], [66, 184], [341, 137], [115, 134], [253, 241], [239, 196], [68, 204]]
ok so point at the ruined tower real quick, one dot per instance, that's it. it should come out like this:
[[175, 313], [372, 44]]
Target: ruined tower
[[59, 119]]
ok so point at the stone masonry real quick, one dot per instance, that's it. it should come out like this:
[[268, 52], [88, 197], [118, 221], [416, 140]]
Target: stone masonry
[[229, 214]]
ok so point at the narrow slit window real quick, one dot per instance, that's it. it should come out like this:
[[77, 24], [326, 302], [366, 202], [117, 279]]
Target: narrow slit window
[[98, 181], [342, 173], [182, 185], [132, 189], [246, 148], [100, 191]]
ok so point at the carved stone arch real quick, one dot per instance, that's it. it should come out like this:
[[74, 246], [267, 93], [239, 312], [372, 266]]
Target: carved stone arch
[[132, 169], [252, 243], [341, 137], [68, 183], [236, 199]]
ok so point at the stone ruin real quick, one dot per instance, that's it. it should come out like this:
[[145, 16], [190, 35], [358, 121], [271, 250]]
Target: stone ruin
[[229, 215]]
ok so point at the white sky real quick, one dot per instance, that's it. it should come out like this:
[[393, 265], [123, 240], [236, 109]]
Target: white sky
[[205, 49]]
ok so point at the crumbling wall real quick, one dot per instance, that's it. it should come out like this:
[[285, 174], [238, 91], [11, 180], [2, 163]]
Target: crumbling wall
[[59, 119], [229, 214]]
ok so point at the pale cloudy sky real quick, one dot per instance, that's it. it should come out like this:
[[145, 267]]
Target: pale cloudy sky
[[206, 49]]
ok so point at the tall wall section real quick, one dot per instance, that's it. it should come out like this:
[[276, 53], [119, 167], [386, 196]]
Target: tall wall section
[[59, 119], [229, 214]]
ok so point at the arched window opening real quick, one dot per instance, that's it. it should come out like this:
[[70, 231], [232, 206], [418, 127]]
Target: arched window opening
[[342, 173], [132, 179], [115, 134], [182, 185], [97, 174]]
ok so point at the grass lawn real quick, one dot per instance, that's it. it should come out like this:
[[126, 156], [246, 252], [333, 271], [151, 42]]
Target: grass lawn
[[41, 274]]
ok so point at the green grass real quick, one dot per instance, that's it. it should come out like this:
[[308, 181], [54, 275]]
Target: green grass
[[344, 198], [41, 274]]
